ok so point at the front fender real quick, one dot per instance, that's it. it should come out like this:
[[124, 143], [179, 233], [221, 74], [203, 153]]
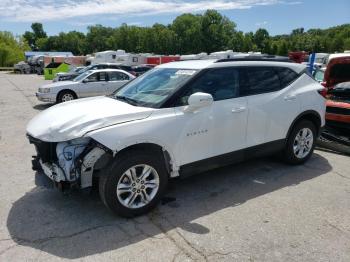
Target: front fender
[[121, 136]]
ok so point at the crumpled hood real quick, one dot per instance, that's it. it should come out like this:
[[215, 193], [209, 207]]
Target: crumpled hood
[[73, 119]]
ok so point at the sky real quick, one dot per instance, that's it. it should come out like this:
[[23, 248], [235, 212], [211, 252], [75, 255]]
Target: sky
[[277, 16]]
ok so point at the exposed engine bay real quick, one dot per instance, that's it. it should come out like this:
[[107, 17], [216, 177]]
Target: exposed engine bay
[[71, 162]]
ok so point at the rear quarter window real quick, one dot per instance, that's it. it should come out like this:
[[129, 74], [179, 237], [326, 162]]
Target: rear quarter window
[[286, 75]]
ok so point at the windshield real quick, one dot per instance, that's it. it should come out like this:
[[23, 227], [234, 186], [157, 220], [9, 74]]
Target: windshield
[[82, 76], [319, 75], [154, 87]]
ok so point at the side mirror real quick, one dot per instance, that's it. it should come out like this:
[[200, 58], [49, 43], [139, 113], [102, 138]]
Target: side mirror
[[199, 100], [85, 81]]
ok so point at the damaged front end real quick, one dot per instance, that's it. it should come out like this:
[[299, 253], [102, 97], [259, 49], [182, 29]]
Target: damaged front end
[[71, 163]]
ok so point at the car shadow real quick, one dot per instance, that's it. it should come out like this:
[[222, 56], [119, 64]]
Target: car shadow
[[79, 225], [41, 107]]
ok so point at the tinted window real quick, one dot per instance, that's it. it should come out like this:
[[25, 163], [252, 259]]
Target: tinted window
[[103, 76], [93, 77], [117, 76], [286, 75], [221, 83], [257, 80]]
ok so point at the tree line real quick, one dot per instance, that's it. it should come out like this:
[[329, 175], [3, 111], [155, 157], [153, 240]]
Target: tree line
[[188, 34]]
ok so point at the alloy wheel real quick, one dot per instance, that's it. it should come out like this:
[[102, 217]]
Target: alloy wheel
[[303, 142], [137, 186], [67, 97]]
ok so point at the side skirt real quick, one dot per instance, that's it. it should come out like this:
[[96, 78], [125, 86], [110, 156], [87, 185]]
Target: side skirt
[[232, 158]]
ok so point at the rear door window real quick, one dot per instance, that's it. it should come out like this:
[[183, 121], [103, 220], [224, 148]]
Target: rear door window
[[258, 80], [117, 76], [102, 76]]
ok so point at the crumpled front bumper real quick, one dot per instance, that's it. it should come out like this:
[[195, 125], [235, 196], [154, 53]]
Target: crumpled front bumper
[[67, 163], [52, 171]]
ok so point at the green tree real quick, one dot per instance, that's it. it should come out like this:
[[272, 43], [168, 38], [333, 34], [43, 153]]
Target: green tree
[[97, 38], [261, 39], [187, 33], [216, 31], [37, 33], [11, 48]]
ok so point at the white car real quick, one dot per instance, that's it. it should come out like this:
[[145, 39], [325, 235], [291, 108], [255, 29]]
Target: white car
[[90, 83], [177, 119]]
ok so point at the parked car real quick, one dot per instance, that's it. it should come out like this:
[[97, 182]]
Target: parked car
[[178, 119], [71, 75], [22, 68], [141, 69], [89, 83], [319, 58], [337, 81]]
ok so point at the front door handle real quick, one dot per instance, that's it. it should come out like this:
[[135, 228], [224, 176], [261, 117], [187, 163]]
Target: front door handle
[[238, 109], [290, 97]]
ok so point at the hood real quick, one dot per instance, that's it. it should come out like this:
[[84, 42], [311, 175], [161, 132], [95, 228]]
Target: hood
[[66, 74], [73, 119], [59, 84]]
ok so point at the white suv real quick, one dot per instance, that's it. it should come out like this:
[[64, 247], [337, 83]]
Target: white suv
[[179, 118]]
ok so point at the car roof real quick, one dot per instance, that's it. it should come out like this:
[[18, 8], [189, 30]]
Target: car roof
[[114, 64], [189, 64], [108, 70], [202, 64]]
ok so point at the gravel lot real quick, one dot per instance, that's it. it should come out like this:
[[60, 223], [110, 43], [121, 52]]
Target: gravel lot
[[260, 210]]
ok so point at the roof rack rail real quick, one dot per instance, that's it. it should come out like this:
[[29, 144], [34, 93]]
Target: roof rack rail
[[269, 58]]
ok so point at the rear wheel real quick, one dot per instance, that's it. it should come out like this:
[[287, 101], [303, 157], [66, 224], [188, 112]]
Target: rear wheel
[[134, 183], [301, 143], [65, 96]]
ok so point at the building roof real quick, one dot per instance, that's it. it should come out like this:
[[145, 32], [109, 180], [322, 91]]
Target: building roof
[[35, 53]]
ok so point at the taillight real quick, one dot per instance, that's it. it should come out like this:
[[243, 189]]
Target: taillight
[[323, 92]]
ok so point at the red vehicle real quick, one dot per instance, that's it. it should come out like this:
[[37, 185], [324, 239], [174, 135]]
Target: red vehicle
[[298, 56], [337, 81], [157, 60]]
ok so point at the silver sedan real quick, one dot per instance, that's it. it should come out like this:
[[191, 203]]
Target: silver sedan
[[90, 83]]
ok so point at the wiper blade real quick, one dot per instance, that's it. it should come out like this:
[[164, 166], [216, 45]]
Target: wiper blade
[[127, 99]]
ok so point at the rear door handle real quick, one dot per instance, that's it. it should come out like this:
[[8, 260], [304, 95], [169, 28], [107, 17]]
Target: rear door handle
[[290, 97], [238, 109]]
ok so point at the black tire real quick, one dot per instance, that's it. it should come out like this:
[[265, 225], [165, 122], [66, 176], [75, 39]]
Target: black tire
[[112, 174], [288, 153], [62, 94]]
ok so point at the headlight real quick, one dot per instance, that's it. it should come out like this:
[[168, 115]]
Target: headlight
[[44, 90]]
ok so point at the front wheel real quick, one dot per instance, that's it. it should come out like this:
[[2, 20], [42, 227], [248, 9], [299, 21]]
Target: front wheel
[[65, 96], [301, 143], [134, 183]]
